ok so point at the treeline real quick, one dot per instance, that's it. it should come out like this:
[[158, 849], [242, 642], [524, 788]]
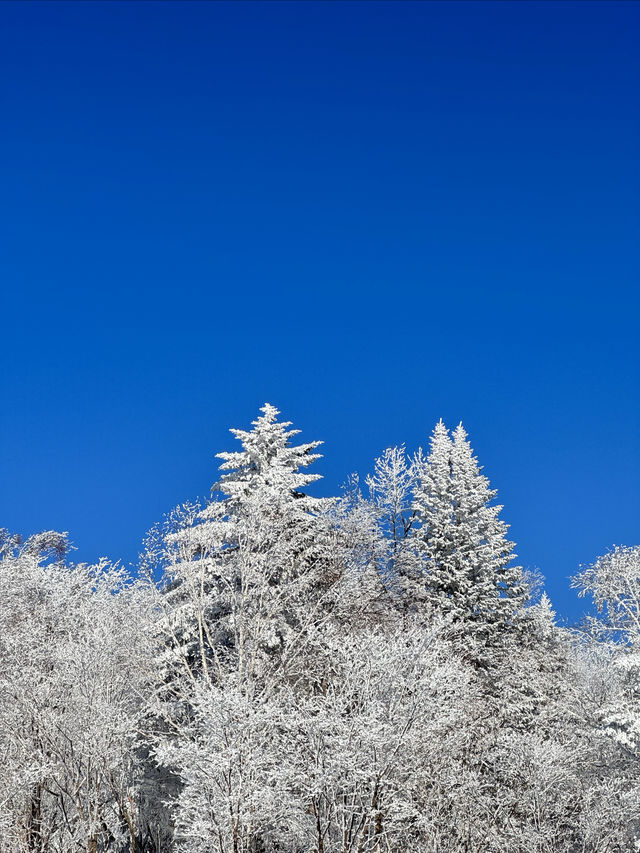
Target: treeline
[[290, 674]]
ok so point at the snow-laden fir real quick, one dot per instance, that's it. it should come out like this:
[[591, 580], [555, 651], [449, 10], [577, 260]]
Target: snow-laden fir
[[288, 674]]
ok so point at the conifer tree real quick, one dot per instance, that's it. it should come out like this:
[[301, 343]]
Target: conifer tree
[[465, 556], [239, 567], [493, 588], [252, 577], [433, 539]]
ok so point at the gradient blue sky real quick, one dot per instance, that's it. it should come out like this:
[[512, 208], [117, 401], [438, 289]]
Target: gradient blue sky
[[372, 215]]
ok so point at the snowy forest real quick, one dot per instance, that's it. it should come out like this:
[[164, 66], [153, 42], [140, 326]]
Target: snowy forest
[[282, 673]]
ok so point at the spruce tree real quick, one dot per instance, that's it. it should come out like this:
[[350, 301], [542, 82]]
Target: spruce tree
[[493, 588], [433, 539], [244, 567], [465, 555], [253, 576]]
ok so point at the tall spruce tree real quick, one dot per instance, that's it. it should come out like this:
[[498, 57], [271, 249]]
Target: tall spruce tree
[[235, 567], [252, 579], [433, 539], [462, 543], [483, 554]]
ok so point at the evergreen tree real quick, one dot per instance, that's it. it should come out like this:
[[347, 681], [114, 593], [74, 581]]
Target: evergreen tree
[[462, 546], [431, 570], [239, 568], [253, 578], [492, 588]]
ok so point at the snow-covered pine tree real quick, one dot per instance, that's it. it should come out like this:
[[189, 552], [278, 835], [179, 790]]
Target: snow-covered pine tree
[[431, 573], [239, 569], [462, 546], [252, 580], [482, 556]]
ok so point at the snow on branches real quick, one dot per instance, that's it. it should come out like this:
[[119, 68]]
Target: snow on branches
[[293, 674]]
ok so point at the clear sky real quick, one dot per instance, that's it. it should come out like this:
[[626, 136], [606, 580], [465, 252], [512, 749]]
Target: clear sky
[[370, 214]]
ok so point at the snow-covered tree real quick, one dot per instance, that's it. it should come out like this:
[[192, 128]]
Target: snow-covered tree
[[240, 569], [462, 545], [73, 667], [373, 754], [432, 569], [391, 489], [613, 582], [492, 587], [251, 576]]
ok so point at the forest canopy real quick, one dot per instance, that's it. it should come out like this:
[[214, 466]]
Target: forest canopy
[[283, 673]]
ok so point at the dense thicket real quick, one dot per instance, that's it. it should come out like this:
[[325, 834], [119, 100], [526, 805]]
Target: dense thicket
[[289, 674]]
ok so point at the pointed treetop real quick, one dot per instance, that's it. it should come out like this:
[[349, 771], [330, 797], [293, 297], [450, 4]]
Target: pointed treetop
[[270, 416], [464, 457], [460, 437], [267, 455], [439, 449], [460, 537], [546, 607], [440, 436]]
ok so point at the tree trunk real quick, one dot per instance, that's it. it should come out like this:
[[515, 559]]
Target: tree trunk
[[34, 831]]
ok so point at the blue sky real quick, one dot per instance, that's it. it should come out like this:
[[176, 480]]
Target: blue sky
[[372, 215]]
